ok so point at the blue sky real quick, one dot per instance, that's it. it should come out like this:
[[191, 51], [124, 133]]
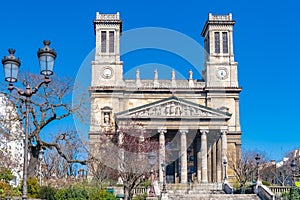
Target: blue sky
[[266, 41]]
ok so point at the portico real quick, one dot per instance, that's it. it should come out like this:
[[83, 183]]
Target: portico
[[192, 138]]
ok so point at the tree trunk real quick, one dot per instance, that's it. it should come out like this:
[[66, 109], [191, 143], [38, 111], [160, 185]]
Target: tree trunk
[[33, 162], [126, 193]]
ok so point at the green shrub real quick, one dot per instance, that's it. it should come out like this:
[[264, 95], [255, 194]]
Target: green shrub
[[16, 191], [4, 189], [71, 193], [285, 196], [96, 193], [6, 174], [140, 197], [105, 195], [266, 183], [145, 183], [47, 192], [33, 187], [294, 193]]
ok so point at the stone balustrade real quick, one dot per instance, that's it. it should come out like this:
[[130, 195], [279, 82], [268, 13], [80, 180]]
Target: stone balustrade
[[278, 190]]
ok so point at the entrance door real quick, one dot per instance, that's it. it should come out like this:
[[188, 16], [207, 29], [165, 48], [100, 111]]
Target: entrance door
[[171, 173]]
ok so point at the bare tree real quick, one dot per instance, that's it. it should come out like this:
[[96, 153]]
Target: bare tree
[[52, 103], [126, 155], [73, 147], [245, 168]]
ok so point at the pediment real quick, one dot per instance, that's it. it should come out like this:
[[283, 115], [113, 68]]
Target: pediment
[[173, 107]]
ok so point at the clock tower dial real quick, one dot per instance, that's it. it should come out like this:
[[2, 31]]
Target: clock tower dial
[[222, 73], [107, 72]]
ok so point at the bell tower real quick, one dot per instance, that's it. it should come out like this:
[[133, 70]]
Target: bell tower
[[107, 69], [220, 68]]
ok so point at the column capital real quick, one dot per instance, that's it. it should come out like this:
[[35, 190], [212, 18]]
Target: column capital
[[162, 130], [224, 131], [204, 131], [184, 131]]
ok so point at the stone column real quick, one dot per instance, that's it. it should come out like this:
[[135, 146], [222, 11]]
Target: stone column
[[224, 147], [214, 162], [209, 163], [199, 156], [204, 156], [224, 143], [219, 161], [183, 152], [162, 152]]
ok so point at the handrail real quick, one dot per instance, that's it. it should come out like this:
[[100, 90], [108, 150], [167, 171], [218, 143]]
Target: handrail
[[227, 188], [265, 193]]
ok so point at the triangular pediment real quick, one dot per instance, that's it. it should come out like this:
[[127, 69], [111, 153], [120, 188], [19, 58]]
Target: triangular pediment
[[173, 107]]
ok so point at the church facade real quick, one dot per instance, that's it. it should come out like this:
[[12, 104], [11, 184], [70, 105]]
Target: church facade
[[197, 120]]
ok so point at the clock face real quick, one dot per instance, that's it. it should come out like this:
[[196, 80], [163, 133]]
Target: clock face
[[222, 73], [107, 72]]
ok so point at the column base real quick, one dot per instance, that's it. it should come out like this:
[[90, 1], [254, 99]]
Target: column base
[[184, 182], [164, 196]]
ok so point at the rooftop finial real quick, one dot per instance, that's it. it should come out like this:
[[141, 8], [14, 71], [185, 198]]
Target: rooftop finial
[[156, 83], [138, 78], [191, 82], [173, 81], [190, 75]]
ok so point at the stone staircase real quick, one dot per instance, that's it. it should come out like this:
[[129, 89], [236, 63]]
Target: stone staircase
[[204, 192]]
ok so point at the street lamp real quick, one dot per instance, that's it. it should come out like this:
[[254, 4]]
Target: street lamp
[[225, 171], [152, 160], [11, 66], [257, 158], [163, 166], [293, 168]]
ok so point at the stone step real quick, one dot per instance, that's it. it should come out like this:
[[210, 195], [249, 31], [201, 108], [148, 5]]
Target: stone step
[[202, 186], [196, 192], [213, 197]]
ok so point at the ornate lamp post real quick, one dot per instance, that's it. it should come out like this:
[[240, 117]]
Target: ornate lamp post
[[257, 158], [225, 170], [11, 66], [152, 160], [293, 168], [164, 190]]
